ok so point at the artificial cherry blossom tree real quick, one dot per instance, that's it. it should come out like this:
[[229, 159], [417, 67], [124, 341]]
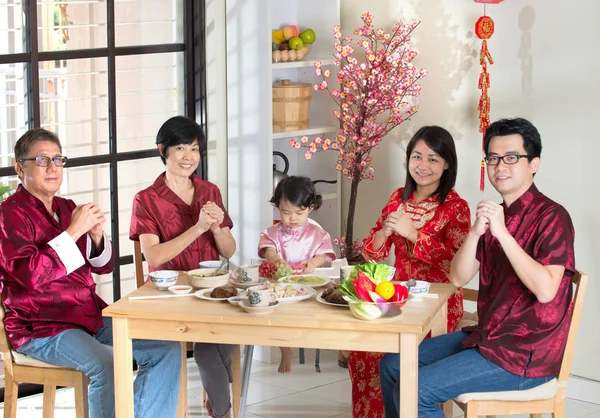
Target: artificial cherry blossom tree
[[374, 95]]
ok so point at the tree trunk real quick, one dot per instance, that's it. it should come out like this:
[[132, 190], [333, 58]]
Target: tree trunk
[[350, 220]]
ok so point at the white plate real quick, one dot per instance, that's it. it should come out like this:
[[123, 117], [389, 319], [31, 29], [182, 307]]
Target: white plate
[[293, 299], [205, 294], [257, 310], [246, 285], [324, 302], [295, 280], [235, 300]]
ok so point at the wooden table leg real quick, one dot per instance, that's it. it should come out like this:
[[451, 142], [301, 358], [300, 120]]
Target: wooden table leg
[[182, 403], [440, 322], [123, 360], [409, 375]]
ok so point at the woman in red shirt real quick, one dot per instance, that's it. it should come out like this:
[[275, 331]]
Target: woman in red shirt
[[426, 222], [180, 220]]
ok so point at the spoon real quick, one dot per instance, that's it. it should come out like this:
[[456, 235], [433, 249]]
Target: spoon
[[411, 283], [219, 268]]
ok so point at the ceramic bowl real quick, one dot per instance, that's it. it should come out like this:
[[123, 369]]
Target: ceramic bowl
[[418, 291], [163, 279], [180, 289], [210, 264], [202, 278], [369, 311], [257, 310]]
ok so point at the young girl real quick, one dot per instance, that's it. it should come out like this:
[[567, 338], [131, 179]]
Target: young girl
[[295, 240]]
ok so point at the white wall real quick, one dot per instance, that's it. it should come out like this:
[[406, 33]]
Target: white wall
[[551, 80]]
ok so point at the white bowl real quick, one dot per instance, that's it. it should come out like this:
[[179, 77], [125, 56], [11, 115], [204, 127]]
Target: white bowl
[[419, 290], [257, 310], [180, 289], [163, 279], [210, 264], [202, 279]]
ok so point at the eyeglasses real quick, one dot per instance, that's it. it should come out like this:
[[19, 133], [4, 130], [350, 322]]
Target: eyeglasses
[[507, 159], [42, 161]]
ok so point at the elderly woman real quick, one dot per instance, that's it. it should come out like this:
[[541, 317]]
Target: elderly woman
[[50, 247], [180, 220]]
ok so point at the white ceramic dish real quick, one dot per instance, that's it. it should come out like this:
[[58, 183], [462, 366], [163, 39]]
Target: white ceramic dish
[[163, 279], [244, 285], [235, 300], [418, 291], [210, 264], [299, 280], [257, 310], [180, 289], [205, 294], [199, 282], [324, 302], [292, 299]]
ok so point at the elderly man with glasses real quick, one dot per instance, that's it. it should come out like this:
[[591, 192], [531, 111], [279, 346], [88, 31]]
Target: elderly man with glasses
[[49, 248]]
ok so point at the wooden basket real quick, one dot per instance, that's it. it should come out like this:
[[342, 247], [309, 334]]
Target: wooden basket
[[291, 105]]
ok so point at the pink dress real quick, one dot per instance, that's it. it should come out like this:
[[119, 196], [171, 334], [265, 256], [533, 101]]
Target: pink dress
[[295, 245]]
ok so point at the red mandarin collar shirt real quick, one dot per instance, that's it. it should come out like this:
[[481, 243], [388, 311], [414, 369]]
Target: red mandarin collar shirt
[[41, 297], [515, 331], [159, 211]]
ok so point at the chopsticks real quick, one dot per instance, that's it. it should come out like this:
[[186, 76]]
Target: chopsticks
[[158, 296]]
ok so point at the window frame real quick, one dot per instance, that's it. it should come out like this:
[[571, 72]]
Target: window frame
[[193, 47]]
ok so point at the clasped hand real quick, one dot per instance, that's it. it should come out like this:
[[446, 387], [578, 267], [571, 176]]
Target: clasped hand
[[211, 217], [489, 215], [399, 223], [87, 218]]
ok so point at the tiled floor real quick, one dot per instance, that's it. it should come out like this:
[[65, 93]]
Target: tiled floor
[[301, 394]]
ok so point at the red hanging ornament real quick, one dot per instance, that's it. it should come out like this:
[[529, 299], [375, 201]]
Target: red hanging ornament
[[484, 29]]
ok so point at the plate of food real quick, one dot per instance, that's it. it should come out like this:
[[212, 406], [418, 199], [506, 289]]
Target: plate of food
[[306, 280], [289, 293], [332, 296], [217, 294]]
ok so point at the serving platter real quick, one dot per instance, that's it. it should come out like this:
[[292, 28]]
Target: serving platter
[[306, 280]]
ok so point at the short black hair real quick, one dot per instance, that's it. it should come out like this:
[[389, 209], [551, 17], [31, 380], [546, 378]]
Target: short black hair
[[532, 141], [299, 191], [440, 141], [179, 130], [23, 145]]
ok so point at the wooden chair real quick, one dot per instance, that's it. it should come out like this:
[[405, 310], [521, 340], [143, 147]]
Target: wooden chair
[[546, 398], [236, 362], [20, 368]]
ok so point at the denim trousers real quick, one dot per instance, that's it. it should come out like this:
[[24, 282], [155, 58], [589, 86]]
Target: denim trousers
[[156, 385], [447, 370]]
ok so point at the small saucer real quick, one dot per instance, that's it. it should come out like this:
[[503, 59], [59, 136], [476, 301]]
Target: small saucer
[[246, 285], [257, 310], [180, 289], [235, 300]]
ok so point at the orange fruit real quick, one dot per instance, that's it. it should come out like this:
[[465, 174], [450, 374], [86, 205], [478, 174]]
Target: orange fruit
[[385, 290]]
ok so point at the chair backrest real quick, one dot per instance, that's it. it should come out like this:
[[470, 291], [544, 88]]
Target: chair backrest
[[5, 345], [579, 280], [137, 262]]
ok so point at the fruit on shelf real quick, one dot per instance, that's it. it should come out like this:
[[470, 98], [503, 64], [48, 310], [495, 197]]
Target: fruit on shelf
[[308, 36], [285, 55], [276, 57], [295, 43], [290, 31], [304, 50], [292, 55], [284, 46], [277, 36]]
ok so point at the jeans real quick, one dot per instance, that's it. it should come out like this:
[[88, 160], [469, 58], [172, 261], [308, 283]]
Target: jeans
[[447, 370], [156, 385]]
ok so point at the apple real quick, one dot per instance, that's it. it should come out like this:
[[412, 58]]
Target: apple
[[308, 36], [295, 43], [290, 31]]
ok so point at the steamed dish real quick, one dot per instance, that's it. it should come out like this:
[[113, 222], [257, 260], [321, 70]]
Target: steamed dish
[[333, 295], [283, 291], [306, 280]]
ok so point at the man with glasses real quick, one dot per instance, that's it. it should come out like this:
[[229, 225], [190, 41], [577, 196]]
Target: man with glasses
[[523, 252], [49, 248]]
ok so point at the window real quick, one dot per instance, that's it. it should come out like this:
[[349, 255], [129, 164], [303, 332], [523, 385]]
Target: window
[[104, 75]]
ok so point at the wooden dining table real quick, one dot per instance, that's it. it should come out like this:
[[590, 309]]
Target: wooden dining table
[[307, 324]]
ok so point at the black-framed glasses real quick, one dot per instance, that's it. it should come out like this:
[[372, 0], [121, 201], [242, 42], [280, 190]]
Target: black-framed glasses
[[41, 161], [507, 159]]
